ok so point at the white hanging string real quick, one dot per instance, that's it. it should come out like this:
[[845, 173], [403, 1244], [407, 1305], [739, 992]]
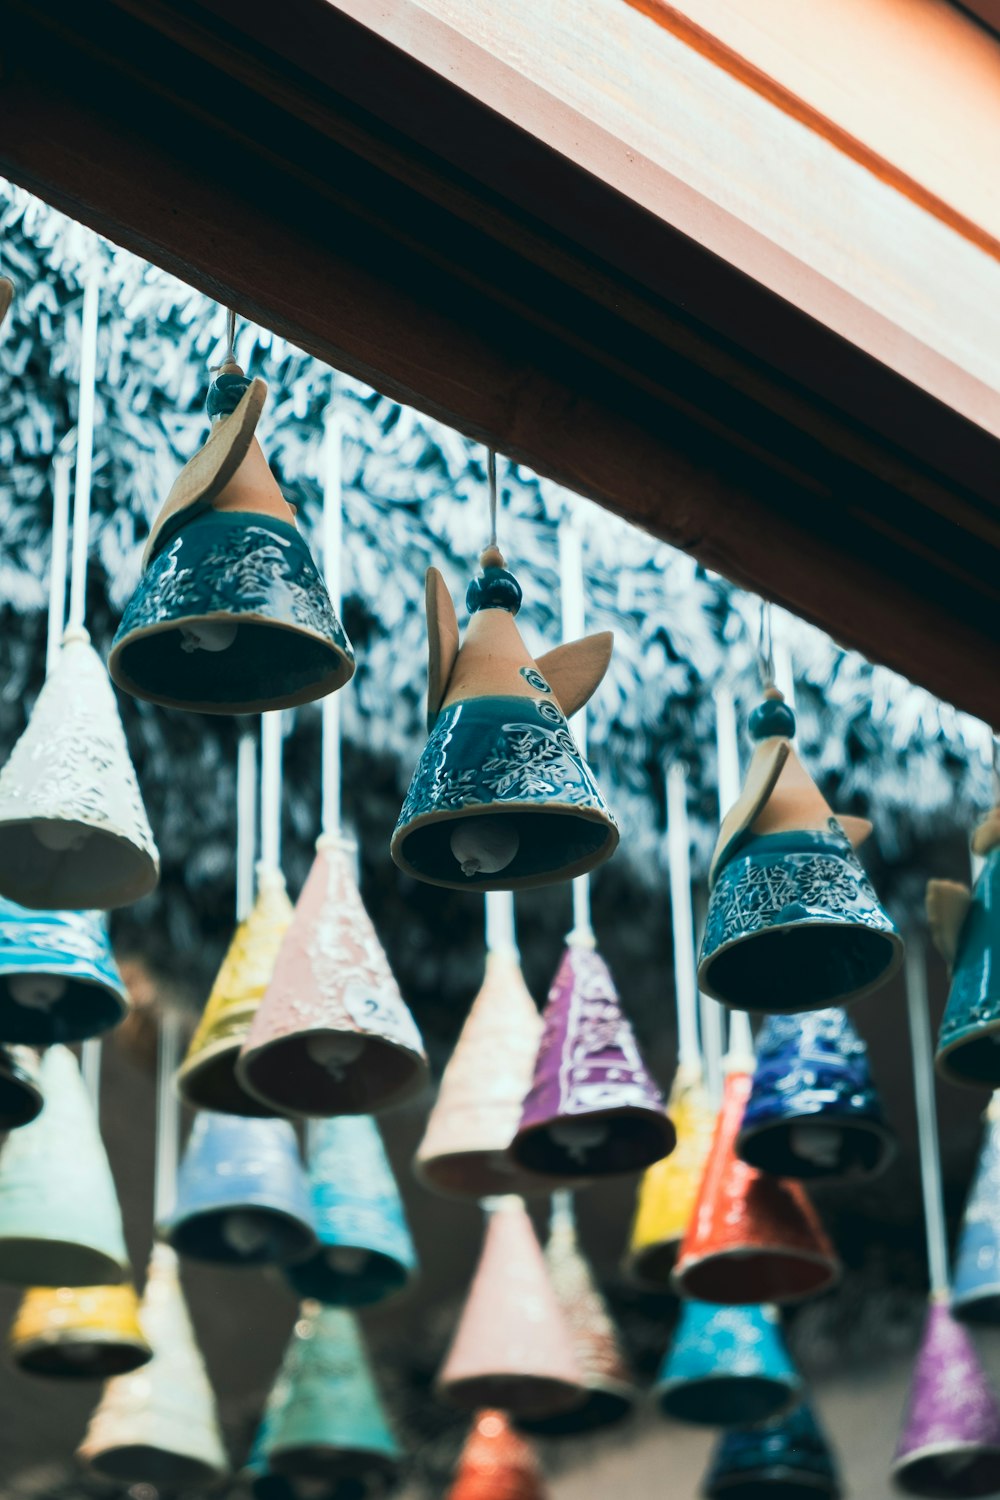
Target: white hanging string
[[167, 1118], [491, 480], [682, 918], [62, 468], [728, 755], [765, 646], [500, 929], [90, 1067], [332, 571], [927, 1131], [84, 446], [573, 626], [712, 1016], [270, 780], [784, 675], [246, 822]]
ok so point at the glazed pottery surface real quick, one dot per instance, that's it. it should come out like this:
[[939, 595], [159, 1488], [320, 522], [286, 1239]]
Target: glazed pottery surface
[[669, 1188], [786, 1460], [975, 1289], [497, 1463], [58, 978], [969, 1040], [79, 1333], [727, 1367]]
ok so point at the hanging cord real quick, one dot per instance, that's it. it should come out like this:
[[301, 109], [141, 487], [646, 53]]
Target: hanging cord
[[784, 673], [62, 466], [739, 1054], [765, 646], [562, 1215], [682, 919], [270, 790], [573, 626], [927, 1131], [167, 1117], [491, 479], [333, 530], [84, 448], [90, 1067], [501, 932], [246, 821]]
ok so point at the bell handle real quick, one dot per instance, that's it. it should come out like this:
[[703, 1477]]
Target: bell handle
[[766, 766], [442, 640], [575, 670], [948, 903]]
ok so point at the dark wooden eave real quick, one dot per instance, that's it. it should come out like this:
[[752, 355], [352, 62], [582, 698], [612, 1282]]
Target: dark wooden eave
[[289, 162]]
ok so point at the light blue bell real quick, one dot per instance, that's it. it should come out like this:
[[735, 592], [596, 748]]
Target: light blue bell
[[257, 1470], [242, 1197], [727, 1367], [366, 1250], [966, 930], [58, 977], [786, 1460], [975, 1294]]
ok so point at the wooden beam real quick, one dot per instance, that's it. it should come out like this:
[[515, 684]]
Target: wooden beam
[[815, 474]]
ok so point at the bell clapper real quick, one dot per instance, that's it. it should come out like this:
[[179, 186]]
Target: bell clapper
[[347, 1260], [819, 1144], [61, 838], [577, 1137], [209, 635], [483, 846], [244, 1233], [335, 1051], [36, 991]]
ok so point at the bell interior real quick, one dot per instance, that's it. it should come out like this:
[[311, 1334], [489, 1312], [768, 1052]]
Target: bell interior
[[942, 1474], [521, 1395], [800, 966], [378, 1277], [288, 1078], [107, 871], [19, 1103], [550, 842], [774, 1484], [653, 1266], [599, 1409], [97, 1360], [771, 1149], [976, 1060], [633, 1141], [726, 1400], [972, 1308], [84, 1010], [134, 1462], [211, 1083], [756, 1276], [340, 1465], [203, 1236]]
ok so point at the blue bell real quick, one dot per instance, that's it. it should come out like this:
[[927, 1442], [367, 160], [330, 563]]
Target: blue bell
[[727, 1367], [58, 978], [366, 1251], [786, 1460], [966, 931], [975, 1292], [242, 1197], [813, 1111]]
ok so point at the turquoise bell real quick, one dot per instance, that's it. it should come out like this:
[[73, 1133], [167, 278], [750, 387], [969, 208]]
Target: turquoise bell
[[727, 1367], [966, 931], [58, 977], [242, 1197], [325, 1419], [257, 1471], [366, 1253], [975, 1286], [786, 1460], [60, 1223]]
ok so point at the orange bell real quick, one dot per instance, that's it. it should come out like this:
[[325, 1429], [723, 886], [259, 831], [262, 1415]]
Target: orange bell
[[497, 1463], [752, 1237]]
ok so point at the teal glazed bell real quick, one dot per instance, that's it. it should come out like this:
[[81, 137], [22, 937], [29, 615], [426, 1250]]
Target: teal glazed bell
[[966, 931], [793, 921], [787, 1460], [60, 1223], [58, 977], [813, 1110], [727, 1367], [501, 798], [231, 615], [366, 1253], [325, 1417], [975, 1289], [242, 1197]]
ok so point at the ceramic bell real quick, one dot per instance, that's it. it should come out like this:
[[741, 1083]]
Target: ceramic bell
[[966, 930], [231, 615], [366, 1253], [592, 1109], [793, 921], [159, 1425], [73, 829], [332, 1035], [786, 1460], [263, 1483], [813, 1110], [60, 1223], [207, 1077], [950, 1443], [727, 1367], [513, 1347], [79, 1333], [752, 1237], [58, 977], [669, 1188], [497, 1463], [464, 1152], [501, 798], [20, 1090], [325, 1418], [975, 1288], [242, 1198], [611, 1394]]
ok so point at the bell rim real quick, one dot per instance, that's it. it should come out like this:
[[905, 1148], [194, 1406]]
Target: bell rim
[[682, 1275], [851, 997], [101, 1267], [926, 1451], [860, 1126], [173, 1231], [972, 1033], [66, 1034], [625, 1111], [465, 1392], [181, 1468], [634, 1259], [414, 1084], [403, 1288], [23, 1350], [287, 1462], [582, 866], [625, 1396], [792, 1388], [212, 1053], [32, 1096], [962, 1304], [140, 879], [495, 1183], [827, 1484]]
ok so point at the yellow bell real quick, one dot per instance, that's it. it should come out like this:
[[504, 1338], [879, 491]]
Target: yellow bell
[[79, 1332], [669, 1188]]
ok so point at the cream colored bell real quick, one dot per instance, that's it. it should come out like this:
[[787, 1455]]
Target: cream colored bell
[[73, 829], [159, 1424]]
